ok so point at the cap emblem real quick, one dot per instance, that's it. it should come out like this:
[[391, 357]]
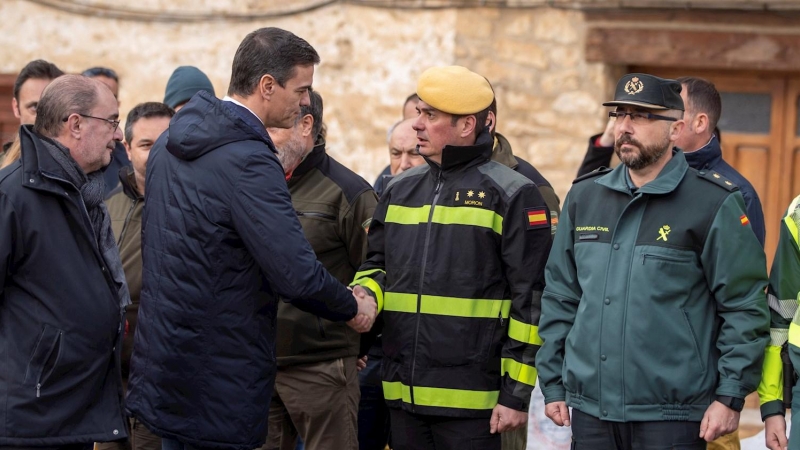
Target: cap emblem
[[634, 86]]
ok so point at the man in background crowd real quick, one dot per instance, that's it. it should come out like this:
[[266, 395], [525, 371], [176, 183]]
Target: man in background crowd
[[184, 82]]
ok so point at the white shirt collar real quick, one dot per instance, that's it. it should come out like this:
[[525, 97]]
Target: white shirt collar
[[228, 99]]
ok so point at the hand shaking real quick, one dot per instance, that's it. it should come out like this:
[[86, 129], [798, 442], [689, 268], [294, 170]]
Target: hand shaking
[[367, 310]]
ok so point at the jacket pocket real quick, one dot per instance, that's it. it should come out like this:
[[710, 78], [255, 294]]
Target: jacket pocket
[[44, 358], [693, 336]]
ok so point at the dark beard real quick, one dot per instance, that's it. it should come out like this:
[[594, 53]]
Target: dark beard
[[647, 156]]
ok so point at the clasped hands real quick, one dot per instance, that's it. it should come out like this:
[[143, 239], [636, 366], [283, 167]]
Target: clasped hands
[[367, 310]]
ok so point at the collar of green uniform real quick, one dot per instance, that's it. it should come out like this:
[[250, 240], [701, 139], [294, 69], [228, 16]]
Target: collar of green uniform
[[666, 181], [502, 152], [454, 157], [311, 160], [127, 179]]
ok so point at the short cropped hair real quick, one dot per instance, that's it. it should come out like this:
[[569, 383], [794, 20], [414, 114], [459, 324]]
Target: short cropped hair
[[703, 96], [38, 69], [145, 110], [66, 95], [270, 51]]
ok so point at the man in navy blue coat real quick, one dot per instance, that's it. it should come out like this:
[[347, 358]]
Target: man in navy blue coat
[[221, 245]]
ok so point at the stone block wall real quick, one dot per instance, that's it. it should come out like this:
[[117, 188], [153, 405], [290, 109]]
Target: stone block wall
[[548, 96]]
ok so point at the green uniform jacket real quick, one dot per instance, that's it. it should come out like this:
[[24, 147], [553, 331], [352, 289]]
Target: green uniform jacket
[[334, 206], [655, 300], [456, 260], [125, 206], [783, 296]]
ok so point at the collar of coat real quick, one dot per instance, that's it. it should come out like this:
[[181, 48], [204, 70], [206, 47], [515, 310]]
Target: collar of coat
[[667, 180], [502, 153], [706, 157], [311, 161], [455, 157], [36, 161], [127, 179]]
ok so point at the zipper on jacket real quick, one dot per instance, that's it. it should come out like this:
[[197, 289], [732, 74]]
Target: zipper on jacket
[[500, 314], [55, 347], [134, 202], [315, 214], [421, 279], [663, 258]]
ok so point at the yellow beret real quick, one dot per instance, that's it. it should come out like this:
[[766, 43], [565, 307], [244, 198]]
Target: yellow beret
[[455, 90]]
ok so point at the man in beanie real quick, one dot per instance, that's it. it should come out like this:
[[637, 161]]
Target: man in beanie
[[654, 318], [184, 82], [456, 255]]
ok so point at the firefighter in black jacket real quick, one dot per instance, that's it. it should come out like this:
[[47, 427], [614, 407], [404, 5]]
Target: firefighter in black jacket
[[457, 249]]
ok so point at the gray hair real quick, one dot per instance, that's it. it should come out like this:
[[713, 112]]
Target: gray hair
[[66, 95]]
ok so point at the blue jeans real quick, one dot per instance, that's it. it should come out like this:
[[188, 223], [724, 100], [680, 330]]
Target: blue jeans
[[373, 414]]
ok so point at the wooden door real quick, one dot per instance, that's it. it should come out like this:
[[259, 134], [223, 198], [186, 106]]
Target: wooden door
[[760, 135], [9, 124]]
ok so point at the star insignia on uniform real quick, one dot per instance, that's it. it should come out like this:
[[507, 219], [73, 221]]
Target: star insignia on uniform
[[470, 193], [716, 175], [729, 183], [481, 194]]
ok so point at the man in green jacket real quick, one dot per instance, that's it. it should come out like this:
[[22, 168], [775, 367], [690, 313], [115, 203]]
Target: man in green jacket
[[145, 123], [783, 296], [316, 387], [654, 318]]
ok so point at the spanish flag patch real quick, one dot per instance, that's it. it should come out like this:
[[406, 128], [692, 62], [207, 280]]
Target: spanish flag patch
[[536, 218], [744, 219]]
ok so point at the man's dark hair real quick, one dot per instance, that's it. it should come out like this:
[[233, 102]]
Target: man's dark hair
[[270, 51], [704, 98], [315, 109], [101, 72], [66, 95], [145, 110], [37, 69], [480, 119]]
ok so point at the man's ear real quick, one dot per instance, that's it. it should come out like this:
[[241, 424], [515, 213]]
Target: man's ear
[[307, 125], [468, 126], [701, 123], [73, 125], [266, 86], [675, 130], [15, 107]]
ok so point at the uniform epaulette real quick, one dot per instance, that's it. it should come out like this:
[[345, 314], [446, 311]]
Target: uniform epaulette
[[592, 174], [719, 180]]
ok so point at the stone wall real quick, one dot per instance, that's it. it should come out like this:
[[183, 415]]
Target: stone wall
[[548, 96]]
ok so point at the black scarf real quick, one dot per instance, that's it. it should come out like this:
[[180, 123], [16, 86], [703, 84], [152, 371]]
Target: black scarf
[[92, 189]]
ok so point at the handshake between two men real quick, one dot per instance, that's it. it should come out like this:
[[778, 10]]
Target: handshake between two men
[[367, 310]]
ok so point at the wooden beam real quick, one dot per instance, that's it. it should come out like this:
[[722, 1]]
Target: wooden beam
[[693, 49]]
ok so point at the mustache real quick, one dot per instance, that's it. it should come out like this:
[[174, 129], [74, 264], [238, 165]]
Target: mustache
[[627, 139]]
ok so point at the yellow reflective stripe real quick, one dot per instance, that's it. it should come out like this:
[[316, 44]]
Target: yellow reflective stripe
[[518, 371], [445, 215], [441, 397], [367, 273], [771, 386], [376, 288], [523, 332], [792, 226], [794, 334], [447, 306]]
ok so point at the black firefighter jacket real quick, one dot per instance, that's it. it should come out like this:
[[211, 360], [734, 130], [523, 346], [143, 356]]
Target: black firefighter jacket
[[221, 242], [60, 314], [456, 258]]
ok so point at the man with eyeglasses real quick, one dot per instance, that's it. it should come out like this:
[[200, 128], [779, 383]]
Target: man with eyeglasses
[[62, 286], [119, 157], [654, 316]]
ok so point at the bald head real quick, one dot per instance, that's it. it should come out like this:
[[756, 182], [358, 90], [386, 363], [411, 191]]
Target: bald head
[[403, 148], [65, 95]]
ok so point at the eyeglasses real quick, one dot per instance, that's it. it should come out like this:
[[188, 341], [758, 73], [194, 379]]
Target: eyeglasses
[[114, 123], [638, 117]]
